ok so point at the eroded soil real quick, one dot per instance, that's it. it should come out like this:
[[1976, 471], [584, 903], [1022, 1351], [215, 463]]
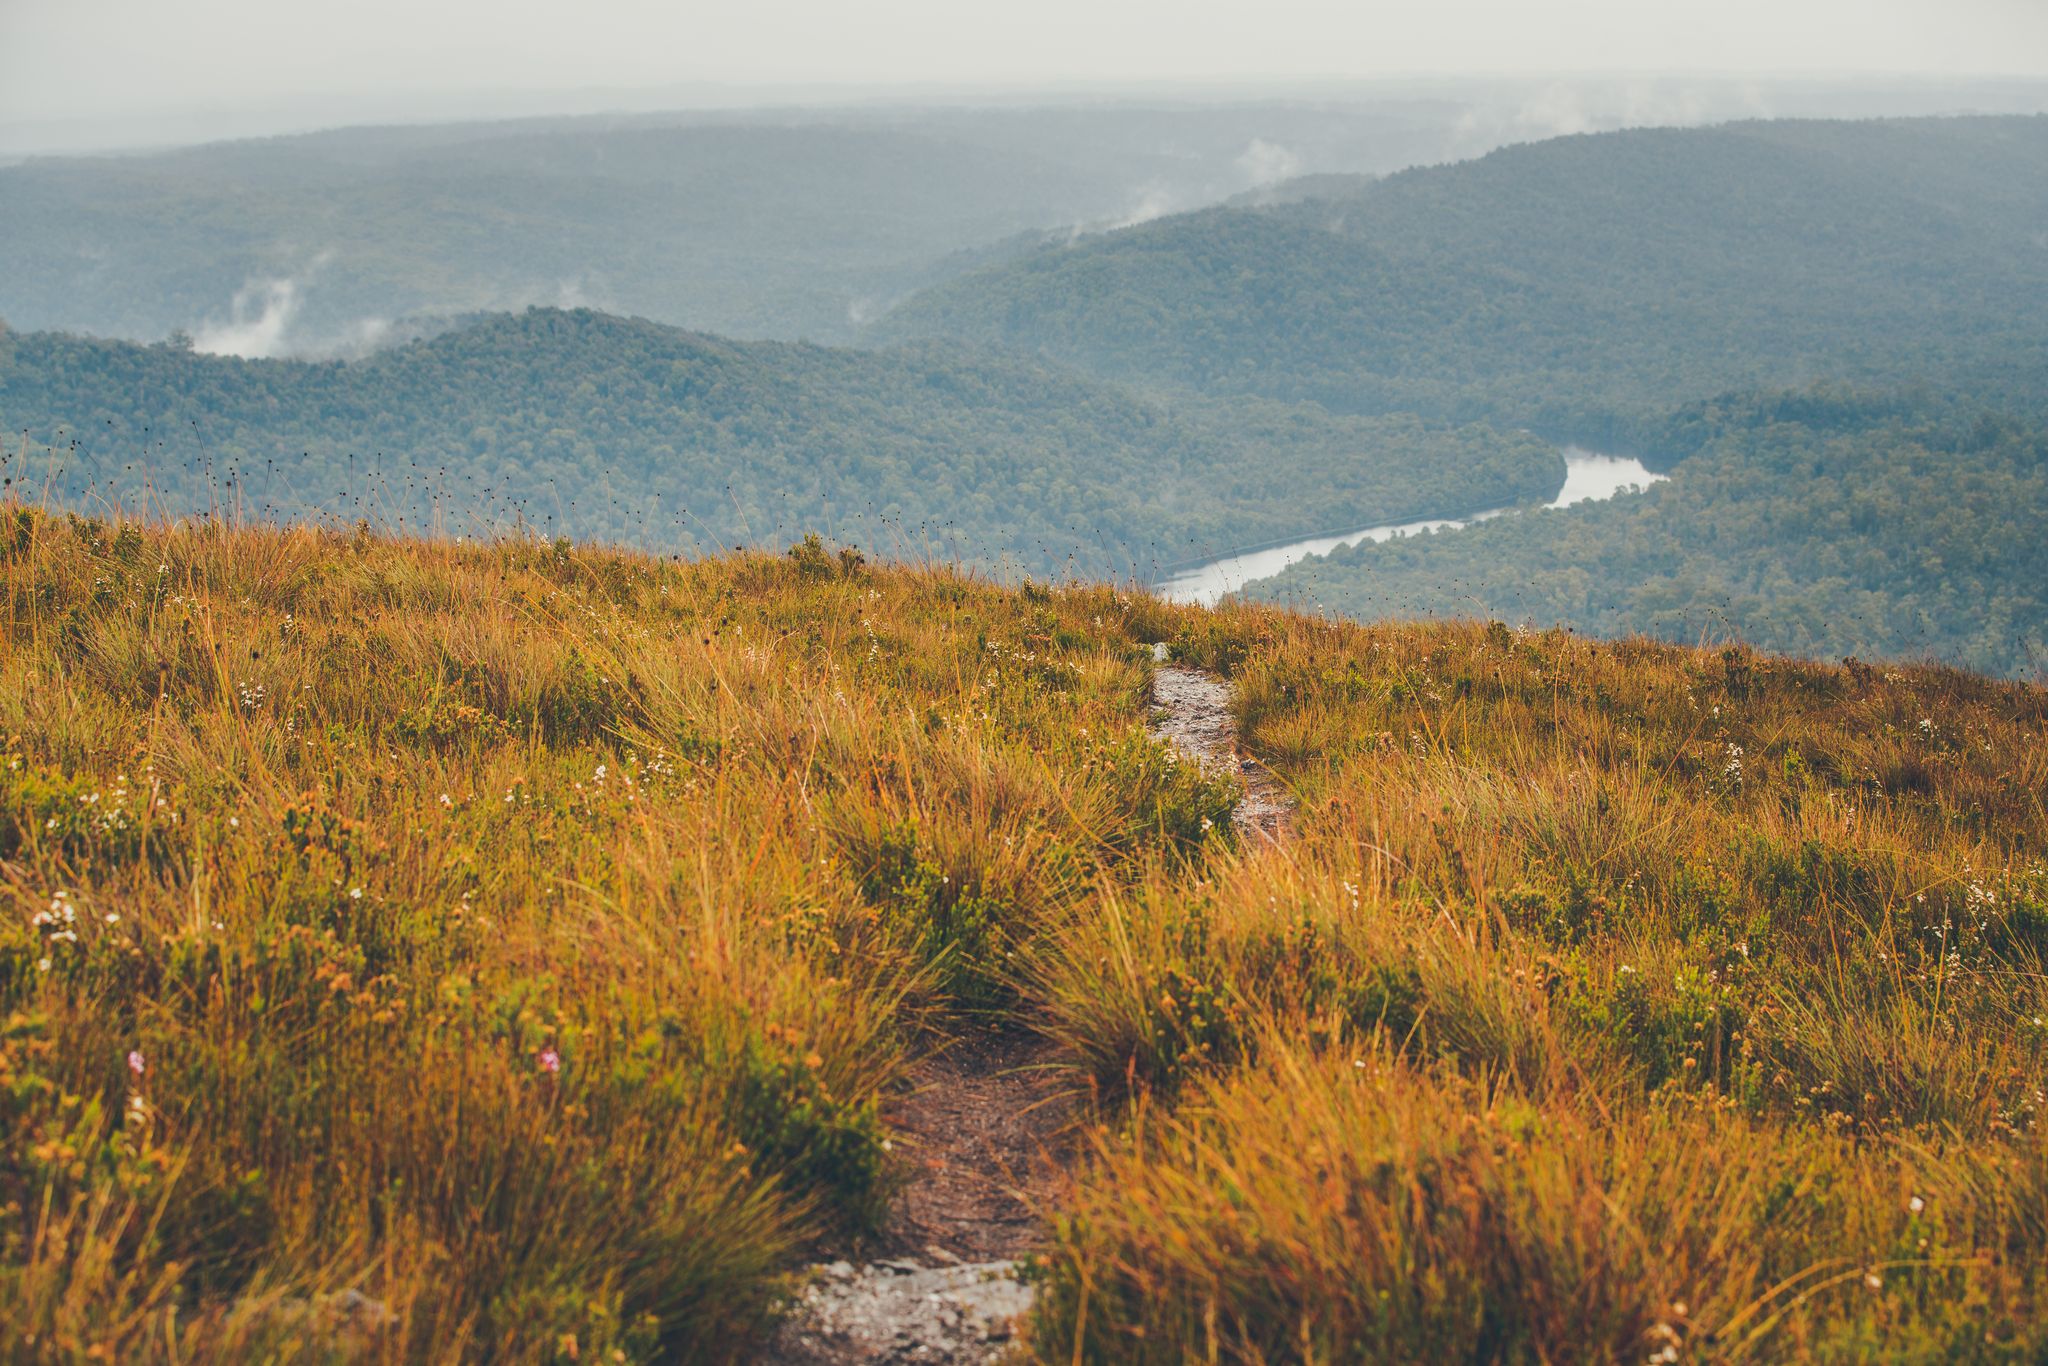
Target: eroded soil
[[986, 1135]]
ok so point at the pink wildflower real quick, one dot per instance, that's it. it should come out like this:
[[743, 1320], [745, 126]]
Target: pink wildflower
[[550, 1060], [135, 1063]]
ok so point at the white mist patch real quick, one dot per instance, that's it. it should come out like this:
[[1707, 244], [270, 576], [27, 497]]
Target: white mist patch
[[259, 316], [1264, 163], [360, 338], [1153, 201], [1556, 110]]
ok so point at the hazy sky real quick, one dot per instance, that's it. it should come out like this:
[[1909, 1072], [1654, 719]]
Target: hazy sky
[[65, 60]]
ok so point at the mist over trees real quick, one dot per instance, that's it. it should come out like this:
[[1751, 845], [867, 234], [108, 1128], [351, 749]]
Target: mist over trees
[[790, 225]]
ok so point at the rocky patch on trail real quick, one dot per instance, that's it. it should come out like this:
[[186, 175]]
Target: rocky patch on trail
[[1192, 710], [983, 1137], [900, 1311]]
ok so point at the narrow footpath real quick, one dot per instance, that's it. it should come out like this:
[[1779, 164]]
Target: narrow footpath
[[1194, 713], [987, 1136]]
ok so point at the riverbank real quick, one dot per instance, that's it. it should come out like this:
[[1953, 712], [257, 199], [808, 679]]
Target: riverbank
[[1590, 476]]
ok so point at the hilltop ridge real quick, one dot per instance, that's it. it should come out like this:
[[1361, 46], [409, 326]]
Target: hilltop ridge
[[1581, 285], [533, 942]]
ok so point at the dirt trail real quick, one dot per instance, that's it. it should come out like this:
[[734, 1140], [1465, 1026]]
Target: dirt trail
[[987, 1136], [1195, 715]]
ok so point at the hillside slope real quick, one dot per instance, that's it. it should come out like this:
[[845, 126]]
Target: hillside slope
[[1814, 523], [1583, 285], [592, 426], [517, 953]]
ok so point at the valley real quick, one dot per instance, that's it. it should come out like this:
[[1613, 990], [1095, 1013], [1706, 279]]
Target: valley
[[1352, 720], [1589, 477]]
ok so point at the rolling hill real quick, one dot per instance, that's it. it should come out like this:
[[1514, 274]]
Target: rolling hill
[[582, 424], [1585, 286], [433, 952]]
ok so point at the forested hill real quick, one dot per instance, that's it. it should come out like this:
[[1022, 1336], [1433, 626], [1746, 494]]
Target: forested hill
[[785, 224], [1584, 285], [593, 426], [1814, 523]]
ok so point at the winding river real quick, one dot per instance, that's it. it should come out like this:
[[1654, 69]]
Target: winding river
[[1588, 477]]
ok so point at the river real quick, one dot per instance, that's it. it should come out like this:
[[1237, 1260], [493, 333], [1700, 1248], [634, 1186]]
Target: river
[[1588, 477]]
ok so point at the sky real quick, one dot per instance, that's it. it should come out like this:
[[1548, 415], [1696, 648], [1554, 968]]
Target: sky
[[157, 64]]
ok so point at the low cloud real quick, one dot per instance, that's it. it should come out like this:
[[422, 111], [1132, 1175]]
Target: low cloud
[[1263, 163], [269, 317], [1554, 111], [1151, 201], [258, 318], [362, 337]]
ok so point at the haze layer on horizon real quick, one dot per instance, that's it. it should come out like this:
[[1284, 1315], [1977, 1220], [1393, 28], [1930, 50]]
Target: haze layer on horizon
[[102, 73]]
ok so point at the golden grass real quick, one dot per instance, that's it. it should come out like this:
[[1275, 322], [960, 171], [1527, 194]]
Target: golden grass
[[535, 940], [1616, 1002]]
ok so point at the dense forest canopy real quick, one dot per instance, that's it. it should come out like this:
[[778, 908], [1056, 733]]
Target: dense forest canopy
[[1820, 524], [583, 424], [1585, 286]]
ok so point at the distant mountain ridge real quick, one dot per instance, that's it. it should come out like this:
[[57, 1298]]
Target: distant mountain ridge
[[1586, 285], [752, 224]]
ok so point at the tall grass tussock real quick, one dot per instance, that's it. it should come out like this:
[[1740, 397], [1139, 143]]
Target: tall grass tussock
[[415, 951]]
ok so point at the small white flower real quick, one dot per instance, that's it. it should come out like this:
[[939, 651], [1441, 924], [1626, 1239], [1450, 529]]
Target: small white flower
[[1916, 1204]]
